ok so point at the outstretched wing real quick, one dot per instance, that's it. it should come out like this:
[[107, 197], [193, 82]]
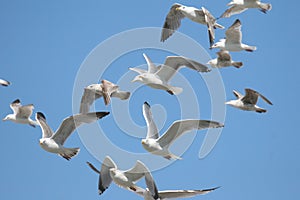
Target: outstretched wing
[[210, 21], [71, 123], [172, 22], [152, 131], [151, 185], [223, 56], [237, 94], [174, 63], [251, 97], [183, 193], [46, 130], [151, 66], [234, 33], [236, 9], [25, 111], [182, 126], [4, 82], [137, 172], [121, 94], [107, 89], [138, 70], [90, 94]]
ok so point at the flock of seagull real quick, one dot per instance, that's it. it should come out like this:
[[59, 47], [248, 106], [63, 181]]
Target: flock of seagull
[[156, 77]]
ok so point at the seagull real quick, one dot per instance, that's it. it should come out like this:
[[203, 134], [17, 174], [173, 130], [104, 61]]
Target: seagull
[[160, 145], [124, 179], [178, 12], [239, 6], [95, 91], [248, 102], [224, 60], [4, 83], [21, 113], [152, 193], [53, 142], [233, 41], [158, 77]]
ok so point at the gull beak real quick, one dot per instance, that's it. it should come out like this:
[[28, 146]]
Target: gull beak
[[143, 142]]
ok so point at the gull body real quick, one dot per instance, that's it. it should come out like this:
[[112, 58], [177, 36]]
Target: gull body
[[159, 145], [158, 77], [53, 142], [21, 114], [224, 60], [248, 102]]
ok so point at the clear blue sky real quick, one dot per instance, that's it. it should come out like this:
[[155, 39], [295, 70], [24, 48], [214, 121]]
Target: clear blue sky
[[43, 45]]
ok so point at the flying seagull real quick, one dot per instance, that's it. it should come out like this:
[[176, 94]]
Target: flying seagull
[[53, 142], [233, 41], [224, 60], [21, 113], [248, 102], [152, 193], [159, 145], [4, 82], [239, 6], [178, 12], [125, 179], [158, 77], [95, 91]]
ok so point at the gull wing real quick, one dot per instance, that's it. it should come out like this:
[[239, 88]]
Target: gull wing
[[237, 94], [235, 9], [166, 194], [151, 185], [172, 22], [234, 33], [180, 127], [151, 66], [251, 97], [25, 111], [107, 89], [174, 63], [210, 21], [90, 94], [46, 129], [137, 172], [4, 82], [223, 56], [69, 124], [15, 105], [121, 94], [138, 70], [152, 131]]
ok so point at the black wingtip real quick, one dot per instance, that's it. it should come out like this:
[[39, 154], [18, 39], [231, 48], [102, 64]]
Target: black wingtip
[[16, 101], [146, 103], [102, 114], [40, 115]]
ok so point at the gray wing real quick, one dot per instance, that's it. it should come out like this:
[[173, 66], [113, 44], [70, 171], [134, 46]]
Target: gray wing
[[180, 127], [151, 185], [138, 70], [152, 131], [151, 66], [251, 97], [223, 56], [234, 33], [46, 130], [237, 94], [107, 89], [166, 194], [137, 172], [210, 21], [174, 63], [121, 94], [15, 105], [90, 94], [69, 124], [236, 9], [172, 22], [4, 82], [25, 111]]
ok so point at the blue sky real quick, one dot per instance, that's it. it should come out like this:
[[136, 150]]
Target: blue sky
[[43, 48]]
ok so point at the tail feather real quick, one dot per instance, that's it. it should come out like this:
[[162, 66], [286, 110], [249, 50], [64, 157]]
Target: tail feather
[[175, 90], [237, 64], [261, 110], [69, 153], [250, 48], [172, 156], [216, 25], [265, 7]]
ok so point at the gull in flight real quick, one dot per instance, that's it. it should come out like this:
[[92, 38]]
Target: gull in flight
[[125, 179], [239, 6], [4, 82], [159, 145], [178, 12], [224, 60], [53, 142], [21, 113], [158, 77], [233, 41], [248, 102], [152, 193], [95, 91]]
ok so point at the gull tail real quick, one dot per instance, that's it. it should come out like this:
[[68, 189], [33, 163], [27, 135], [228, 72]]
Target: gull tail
[[261, 110], [237, 64], [216, 25], [264, 7], [172, 156], [69, 153], [174, 90], [250, 48]]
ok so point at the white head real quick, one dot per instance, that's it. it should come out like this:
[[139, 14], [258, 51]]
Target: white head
[[232, 103], [220, 44], [9, 117], [212, 62], [138, 78]]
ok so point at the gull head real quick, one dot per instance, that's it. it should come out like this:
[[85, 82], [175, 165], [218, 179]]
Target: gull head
[[42, 141], [231, 103], [138, 78], [8, 117], [144, 141], [219, 44], [212, 62]]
